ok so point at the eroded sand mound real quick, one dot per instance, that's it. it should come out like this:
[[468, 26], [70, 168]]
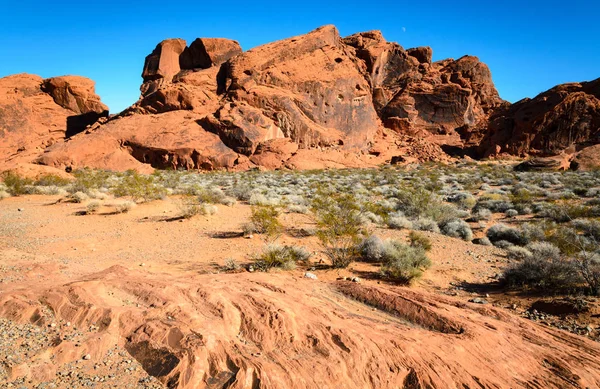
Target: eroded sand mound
[[278, 331]]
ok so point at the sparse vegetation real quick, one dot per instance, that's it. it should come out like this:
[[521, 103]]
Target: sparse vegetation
[[339, 226]]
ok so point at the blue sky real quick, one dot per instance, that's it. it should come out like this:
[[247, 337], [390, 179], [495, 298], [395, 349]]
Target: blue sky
[[530, 46]]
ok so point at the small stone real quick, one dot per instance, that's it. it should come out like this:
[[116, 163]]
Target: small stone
[[20, 209], [355, 279], [52, 325], [249, 236], [310, 275], [478, 300], [142, 264], [251, 268], [87, 357]]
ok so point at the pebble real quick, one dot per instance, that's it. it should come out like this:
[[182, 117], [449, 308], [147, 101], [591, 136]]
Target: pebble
[[478, 300], [355, 279], [87, 357], [310, 275]]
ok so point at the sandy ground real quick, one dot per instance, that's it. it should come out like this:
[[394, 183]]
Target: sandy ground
[[45, 244]]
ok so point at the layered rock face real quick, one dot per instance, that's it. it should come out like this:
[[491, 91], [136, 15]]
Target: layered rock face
[[412, 94], [566, 116], [35, 113], [312, 101]]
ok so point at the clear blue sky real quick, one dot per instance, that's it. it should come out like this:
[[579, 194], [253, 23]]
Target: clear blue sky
[[530, 46]]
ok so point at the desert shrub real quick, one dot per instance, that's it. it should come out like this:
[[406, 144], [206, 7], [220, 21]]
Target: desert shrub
[[543, 273], [370, 217], [590, 228], [517, 252], [511, 213], [78, 197], [265, 220], [139, 187], [371, 249], [482, 241], [457, 228], [501, 232], [88, 179], [231, 265], [92, 207], [124, 207], [481, 214], [403, 263], [588, 265], [492, 205], [298, 208], [15, 184], [562, 213], [211, 196], [285, 257], [52, 180], [4, 194], [414, 202], [534, 232], [544, 250], [419, 240], [426, 224], [397, 221], [339, 225]]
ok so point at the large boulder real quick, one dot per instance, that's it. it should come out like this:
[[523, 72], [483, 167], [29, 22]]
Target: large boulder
[[206, 52], [163, 62], [75, 93]]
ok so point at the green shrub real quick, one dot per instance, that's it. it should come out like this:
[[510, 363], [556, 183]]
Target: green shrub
[[500, 232], [404, 263], [139, 187], [15, 184], [88, 179], [52, 180], [338, 226], [285, 257], [265, 220], [419, 240]]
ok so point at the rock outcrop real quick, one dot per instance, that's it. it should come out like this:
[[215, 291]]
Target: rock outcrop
[[358, 99], [315, 96], [564, 118], [36, 113], [411, 94], [244, 331]]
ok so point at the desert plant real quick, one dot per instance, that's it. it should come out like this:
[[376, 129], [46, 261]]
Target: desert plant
[[52, 180], [517, 252], [285, 257], [92, 207], [397, 221], [138, 187], [426, 224], [231, 265], [15, 184], [264, 220], [339, 225], [457, 228], [543, 273], [124, 207], [501, 232], [403, 263], [419, 240]]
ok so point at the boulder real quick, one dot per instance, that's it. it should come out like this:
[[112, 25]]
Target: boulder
[[36, 113], [163, 62], [206, 52]]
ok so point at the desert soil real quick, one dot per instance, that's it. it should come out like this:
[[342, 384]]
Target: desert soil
[[64, 277]]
